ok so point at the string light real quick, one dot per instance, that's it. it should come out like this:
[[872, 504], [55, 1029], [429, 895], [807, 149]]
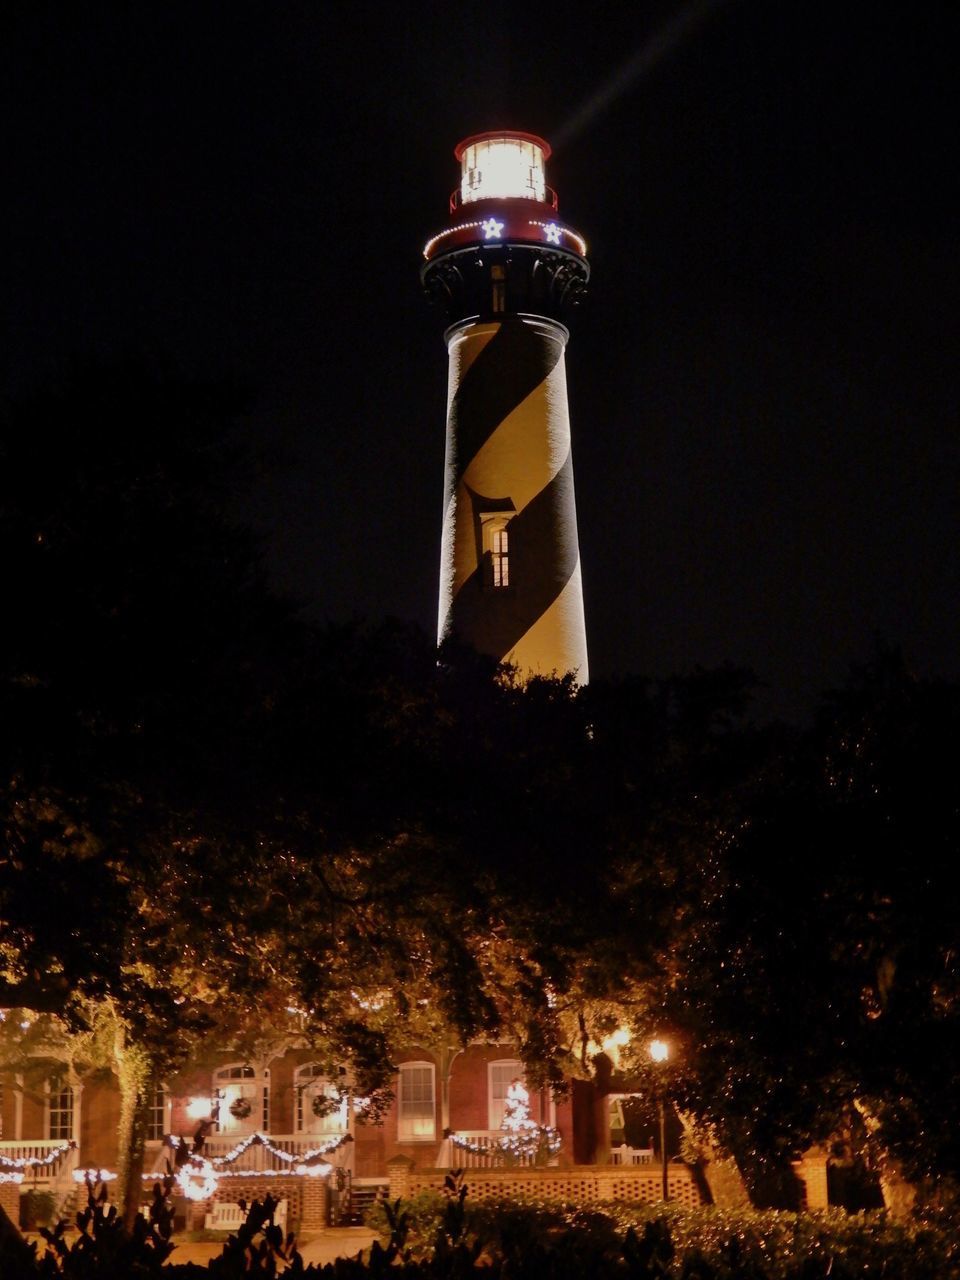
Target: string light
[[11, 1177], [553, 231], [198, 1180], [93, 1175], [37, 1162], [461, 226], [287, 1157]]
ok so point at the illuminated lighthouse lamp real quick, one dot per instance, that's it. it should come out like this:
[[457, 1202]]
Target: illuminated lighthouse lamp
[[503, 166], [503, 195]]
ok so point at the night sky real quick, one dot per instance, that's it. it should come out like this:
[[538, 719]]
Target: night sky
[[763, 382]]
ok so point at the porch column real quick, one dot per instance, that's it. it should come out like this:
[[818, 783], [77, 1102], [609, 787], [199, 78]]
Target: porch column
[[603, 1070], [447, 1056]]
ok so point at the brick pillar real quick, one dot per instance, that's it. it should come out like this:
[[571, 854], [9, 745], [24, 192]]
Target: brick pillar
[[812, 1172], [197, 1211], [314, 1211], [10, 1201], [398, 1174]]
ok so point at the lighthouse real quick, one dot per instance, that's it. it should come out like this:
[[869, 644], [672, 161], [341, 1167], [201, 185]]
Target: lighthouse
[[508, 273]]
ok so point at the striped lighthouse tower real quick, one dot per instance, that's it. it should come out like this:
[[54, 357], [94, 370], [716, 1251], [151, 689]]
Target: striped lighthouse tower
[[508, 273]]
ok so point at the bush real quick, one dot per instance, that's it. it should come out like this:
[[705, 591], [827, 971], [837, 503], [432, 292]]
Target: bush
[[670, 1242], [442, 1237], [37, 1209]]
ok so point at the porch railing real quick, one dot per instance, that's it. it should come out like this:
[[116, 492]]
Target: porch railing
[[481, 1153], [46, 1177], [256, 1158], [631, 1155]]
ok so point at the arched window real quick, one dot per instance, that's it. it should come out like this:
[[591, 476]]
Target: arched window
[[495, 540], [319, 1108], [416, 1103], [59, 1109], [500, 1076], [244, 1093]]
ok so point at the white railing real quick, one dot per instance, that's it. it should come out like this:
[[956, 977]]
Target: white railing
[[631, 1155], [482, 1151], [50, 1176], [257, 1157]]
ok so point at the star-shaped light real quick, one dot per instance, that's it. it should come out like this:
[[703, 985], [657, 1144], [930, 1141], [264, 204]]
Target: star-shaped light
[[491, 229], [553, 233]]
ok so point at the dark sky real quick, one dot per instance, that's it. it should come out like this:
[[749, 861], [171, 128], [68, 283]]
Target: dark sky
[[763, 384]]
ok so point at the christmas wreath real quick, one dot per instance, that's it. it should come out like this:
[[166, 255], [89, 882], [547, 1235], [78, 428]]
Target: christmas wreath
[[240, 1108]]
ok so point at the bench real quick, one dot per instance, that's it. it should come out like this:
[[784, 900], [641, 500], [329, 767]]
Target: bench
[[226, 1216]]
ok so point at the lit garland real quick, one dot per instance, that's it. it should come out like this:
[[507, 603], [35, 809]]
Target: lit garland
[[199, 1177], [11, 1177], [93, 1175], [286, 1157], [198, 1180], [523, 1138], [36, 1162]]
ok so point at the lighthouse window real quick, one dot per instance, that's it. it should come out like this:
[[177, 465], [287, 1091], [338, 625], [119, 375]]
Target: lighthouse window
[[498, 301], [500, 555]]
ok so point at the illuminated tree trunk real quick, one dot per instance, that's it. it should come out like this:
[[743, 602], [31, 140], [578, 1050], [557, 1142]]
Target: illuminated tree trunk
[[898, 1194], [135, 1076]]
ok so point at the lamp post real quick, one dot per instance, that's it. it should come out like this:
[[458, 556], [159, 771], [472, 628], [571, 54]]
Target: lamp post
[[660, 1052]]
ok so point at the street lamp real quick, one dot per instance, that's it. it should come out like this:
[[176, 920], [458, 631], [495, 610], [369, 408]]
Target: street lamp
[[659, 1051]]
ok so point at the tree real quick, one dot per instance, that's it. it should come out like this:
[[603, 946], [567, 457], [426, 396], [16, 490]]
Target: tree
[[143, 651], [820, 974]]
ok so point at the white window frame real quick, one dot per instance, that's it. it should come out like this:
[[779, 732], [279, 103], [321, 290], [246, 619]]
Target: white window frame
[[416, 1125], [308, 1080], [161, 1091], [495, 540], [63, 1088], [495, 1104], [242, 1079]]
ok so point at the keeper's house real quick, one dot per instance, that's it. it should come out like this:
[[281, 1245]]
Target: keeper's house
[[281, 1125]]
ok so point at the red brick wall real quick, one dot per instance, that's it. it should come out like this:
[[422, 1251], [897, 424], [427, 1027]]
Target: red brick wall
[[99, 1123]]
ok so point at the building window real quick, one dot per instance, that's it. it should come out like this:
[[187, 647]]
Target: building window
[[498, 281], [157, 1127], [244, 1094], [59, 1110], [416, 1105], [500, 556], [495, 548], [500, 1076], [313, 1089]]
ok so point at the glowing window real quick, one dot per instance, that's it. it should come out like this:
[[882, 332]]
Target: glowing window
[[315, 1094], [500, 555], [244, 1099], [416, 1108], [500, 1076], [502, 168], [498, 279]]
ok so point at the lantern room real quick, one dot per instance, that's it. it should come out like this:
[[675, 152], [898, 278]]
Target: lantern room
[[503, 166]]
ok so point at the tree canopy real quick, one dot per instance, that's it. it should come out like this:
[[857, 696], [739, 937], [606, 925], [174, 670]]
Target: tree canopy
[[214, 812]]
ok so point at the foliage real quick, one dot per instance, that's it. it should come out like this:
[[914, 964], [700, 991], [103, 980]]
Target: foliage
[[666, 1241], [185, 857], [103, 1247], [37, 1209]]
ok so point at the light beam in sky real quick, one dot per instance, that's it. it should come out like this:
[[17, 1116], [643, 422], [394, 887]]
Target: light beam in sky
[[663, 41]]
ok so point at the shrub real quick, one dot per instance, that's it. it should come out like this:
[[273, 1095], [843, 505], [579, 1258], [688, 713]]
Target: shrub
[[37, 1209]]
